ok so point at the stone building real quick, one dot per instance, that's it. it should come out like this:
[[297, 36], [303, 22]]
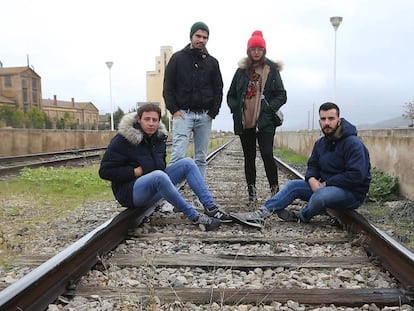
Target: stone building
[[21, 87], [155, 79], [84, 114]]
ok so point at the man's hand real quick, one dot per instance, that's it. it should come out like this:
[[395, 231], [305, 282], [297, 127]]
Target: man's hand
[[178, 114], [138, 171], [315, 184]]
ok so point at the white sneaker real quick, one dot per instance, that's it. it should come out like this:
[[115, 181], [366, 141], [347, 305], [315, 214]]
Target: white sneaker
[[252, 219]]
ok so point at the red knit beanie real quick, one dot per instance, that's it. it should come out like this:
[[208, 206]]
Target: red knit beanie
[[256, 40]]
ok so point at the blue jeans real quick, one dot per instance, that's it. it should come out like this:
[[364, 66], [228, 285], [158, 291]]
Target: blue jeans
[[318, 201], [200, 125], [151, 187]]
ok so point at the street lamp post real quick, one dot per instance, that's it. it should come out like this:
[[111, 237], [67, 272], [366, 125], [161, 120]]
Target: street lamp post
[[335, 21], [109, 64]]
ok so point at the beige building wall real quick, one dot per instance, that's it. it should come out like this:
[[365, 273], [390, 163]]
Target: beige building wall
[[155, 78]]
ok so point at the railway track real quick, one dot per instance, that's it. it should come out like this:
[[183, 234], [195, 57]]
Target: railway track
[[13, 164], [166, 263]]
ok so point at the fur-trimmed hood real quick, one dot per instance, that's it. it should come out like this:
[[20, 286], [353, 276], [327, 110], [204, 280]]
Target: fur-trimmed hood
[[131, 130], [245, 63]]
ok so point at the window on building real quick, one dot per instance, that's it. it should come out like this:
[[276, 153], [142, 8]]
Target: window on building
[[25, 95], [35, 84], [24, 83], [34, 98], [8, 81]]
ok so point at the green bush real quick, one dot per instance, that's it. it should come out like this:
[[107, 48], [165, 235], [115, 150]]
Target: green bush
[[383, 187]]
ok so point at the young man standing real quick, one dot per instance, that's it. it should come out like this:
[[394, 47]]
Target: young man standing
[[193, 91]]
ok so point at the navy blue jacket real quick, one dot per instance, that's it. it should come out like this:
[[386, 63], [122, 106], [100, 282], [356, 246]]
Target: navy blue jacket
[[342, 162], [193, 80], [130, 148]]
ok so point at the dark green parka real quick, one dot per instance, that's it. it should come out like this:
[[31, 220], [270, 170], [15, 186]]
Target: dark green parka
[[274, 92]]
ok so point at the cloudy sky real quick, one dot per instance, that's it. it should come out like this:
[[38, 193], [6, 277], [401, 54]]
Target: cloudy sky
[[68, 43]]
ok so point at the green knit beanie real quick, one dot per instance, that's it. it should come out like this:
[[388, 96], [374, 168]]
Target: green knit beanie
[[197, 26]]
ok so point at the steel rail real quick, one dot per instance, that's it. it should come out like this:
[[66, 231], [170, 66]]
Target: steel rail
[[45, 283], [56, 153], [22, 157], [392, 255], [47, 163], [58, 275], [36, 290]]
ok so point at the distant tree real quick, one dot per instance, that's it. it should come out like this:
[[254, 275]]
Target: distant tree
[[117, 117], [60, 124], [409, 112], [11, 116], [36, 118], [68, 121], [166, 121], [48, 123]]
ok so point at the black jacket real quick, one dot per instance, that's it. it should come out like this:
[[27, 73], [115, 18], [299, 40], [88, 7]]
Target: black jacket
[[128, 149], [274, 92], [193, 81]]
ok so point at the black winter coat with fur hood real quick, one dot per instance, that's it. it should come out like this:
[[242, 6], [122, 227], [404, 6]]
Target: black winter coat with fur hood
[[131, 148], [274, 92]]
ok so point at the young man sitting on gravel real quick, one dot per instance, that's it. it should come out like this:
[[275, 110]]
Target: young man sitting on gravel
[[337, 177], [135, 163]]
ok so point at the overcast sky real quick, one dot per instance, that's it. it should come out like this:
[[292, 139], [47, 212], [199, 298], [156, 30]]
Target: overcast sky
[[68, 43]]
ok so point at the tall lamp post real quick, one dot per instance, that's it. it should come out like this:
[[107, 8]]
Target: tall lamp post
[[335, 21], [109, 64]]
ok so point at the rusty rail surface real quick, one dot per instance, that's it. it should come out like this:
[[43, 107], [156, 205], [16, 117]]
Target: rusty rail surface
[[392, 255], [55, 277], [36, 290], [14, 164]]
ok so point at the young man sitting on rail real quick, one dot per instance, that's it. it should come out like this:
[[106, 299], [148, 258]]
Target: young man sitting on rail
[[337, 177], [135, 163]]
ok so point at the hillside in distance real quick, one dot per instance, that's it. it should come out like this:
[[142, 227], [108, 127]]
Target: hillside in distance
[[398, 122]]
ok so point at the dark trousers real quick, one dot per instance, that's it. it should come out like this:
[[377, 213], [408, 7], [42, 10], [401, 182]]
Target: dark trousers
[[265, 142]]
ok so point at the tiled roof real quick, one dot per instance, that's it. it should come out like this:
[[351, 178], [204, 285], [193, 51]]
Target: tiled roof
[[68, 104], [15, 70]]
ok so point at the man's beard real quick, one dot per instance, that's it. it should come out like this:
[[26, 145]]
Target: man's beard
[[333, 133]]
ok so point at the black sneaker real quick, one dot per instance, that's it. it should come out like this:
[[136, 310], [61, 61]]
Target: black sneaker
[[219, 214], [273, 190], [301, 217], [252, 191], [288, 216], [206, 223]]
